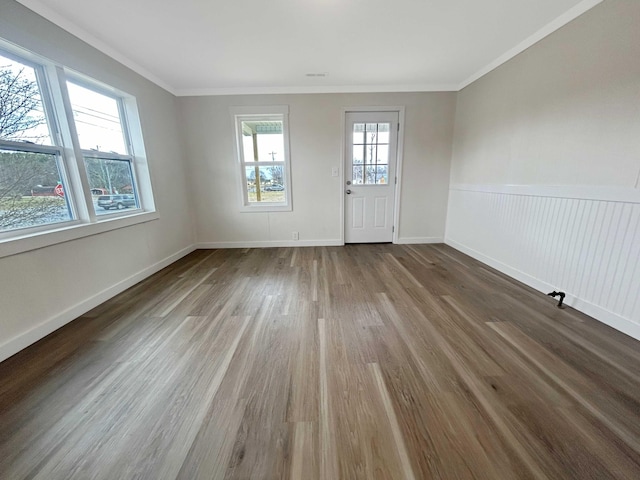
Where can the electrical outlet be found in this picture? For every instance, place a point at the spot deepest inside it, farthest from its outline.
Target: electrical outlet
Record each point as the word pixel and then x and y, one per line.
pixel 296 236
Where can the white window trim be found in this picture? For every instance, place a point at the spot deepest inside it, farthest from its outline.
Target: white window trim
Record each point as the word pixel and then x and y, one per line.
pixel 60 117
pixel 243 113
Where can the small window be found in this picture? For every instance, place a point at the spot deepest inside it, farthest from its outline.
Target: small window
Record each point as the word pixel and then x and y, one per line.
pixel 262 144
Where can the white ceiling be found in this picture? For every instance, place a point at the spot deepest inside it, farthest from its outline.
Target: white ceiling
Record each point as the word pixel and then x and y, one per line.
pixel 193 47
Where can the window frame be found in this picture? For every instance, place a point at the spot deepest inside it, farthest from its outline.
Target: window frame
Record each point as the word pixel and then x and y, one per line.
pixel 262 113
pixel 130 156
pixel 64 143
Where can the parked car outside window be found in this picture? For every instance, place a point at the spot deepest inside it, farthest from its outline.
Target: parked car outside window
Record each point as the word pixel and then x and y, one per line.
pixel 116 201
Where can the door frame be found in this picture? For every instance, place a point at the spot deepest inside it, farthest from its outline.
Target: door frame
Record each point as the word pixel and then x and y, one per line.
pixel 399 156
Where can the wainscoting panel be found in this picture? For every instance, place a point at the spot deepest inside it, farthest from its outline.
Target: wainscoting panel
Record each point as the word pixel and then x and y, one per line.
pixel 583 241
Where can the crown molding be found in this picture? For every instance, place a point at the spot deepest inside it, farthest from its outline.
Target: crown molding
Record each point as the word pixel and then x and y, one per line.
pixel 198 92
pixel 42 9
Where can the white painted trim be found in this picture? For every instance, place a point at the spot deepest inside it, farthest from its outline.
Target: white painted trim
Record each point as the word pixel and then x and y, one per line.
pixel 343 162
pixel 578 192
pixel 399 156
pixel 612 319
pixel 419 240
pixel 42 9
pixel 399 164
pixel 40 331
pixel 202 92
pixel 34 241
pixel 271 244
pixel 545 31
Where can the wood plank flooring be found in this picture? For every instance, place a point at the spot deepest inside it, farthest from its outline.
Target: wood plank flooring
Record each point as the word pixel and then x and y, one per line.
pixel 355 362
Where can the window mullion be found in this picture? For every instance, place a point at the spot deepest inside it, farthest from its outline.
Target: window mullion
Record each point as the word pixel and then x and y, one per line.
pixel 77 172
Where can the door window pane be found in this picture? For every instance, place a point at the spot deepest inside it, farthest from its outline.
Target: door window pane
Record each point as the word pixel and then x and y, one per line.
pixel 358 133
pixel 370 175
pixel 357 176
pixel 111 183
pixel 358 154
pixel 31 190
pixel 97 120
pixel 382 155
pixel 383 132
pixel 371 152
pixel 382 175
pixel 22 115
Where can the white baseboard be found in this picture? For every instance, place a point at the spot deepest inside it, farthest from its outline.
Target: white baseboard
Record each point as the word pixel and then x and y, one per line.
pixel 271 244
pixel 305 243
pixel 31 336
pixel 614 320
pixel 416 240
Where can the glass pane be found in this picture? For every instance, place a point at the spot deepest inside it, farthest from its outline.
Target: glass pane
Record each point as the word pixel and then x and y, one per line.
pixel 382 175
pixel 266 184
pixel 111 183
pixel 372 133
pixel 358 133
pixel 31 190
pixel 247 149
pixel 370 154
pixel 382 155
pixel 358 154
pixel 22 116
pixel 268 139
pixel 370 175
pixel 383 132
pixel 97 120
pixel 357 176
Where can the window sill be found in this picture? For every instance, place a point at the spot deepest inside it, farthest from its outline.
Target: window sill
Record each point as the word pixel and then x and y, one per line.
pixel 265 208
pixel 34 241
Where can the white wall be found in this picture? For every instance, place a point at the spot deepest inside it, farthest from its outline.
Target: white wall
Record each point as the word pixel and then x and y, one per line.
pixel 42 289
pixel 561 122
pixel 316 141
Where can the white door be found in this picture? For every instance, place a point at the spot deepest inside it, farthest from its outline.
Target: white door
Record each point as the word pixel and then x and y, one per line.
pixel 370 176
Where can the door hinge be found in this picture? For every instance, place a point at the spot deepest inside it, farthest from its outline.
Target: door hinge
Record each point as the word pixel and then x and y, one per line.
pixel 393 229
pixel 395 180
pixel 398 127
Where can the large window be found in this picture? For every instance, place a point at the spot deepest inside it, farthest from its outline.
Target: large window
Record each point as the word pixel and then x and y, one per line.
pixel 105 148
pixel 32 179
pixel 67 155
pixel 262 145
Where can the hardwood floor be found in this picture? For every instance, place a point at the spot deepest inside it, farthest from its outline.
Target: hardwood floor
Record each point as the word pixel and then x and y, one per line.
pixel 364 361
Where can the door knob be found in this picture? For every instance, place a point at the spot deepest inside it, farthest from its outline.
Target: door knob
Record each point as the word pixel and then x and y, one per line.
pixel 348 182
pixel 348 192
